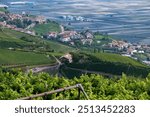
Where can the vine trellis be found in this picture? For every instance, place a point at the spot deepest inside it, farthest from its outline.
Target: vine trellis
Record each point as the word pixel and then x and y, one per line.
pixel 77 86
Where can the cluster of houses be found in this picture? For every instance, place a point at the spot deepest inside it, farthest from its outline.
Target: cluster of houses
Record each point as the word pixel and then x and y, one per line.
pixel 71 36
pixel 119 44
pixel 131 49
pixel 64 36
pixel 23 16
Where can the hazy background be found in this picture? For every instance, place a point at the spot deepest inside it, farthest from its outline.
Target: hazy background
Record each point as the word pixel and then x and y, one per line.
pixel 127 19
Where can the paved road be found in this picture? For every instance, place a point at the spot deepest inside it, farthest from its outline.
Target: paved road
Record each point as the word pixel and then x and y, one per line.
pixel 62 28
pixel 40 69
pixel 58 61
pixel 50 68
pixel 30 26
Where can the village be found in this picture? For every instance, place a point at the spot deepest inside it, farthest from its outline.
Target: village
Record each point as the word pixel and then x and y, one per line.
pixel 21 23
pixel 137 51
pixel 24 23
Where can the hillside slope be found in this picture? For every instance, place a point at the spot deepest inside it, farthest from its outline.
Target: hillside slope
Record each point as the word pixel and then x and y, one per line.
pixel 105 63
pixel 18 58
pixel 10 38
pixel 42 29
pixel 18 48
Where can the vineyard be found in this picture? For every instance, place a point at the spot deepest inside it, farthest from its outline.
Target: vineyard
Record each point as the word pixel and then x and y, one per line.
pixel 26 58
pixel 15 85
pixel 45 28
pixel 18 40
pixel 108 63
pixel 20 49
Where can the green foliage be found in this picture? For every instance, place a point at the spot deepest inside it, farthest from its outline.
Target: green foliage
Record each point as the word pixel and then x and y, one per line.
pixel 47 27
pixel 102 37
pixel 22 43
pixel 10 57
pixel 19 23
pixel 3 10
pixel 14 85
pixel 14 39
pixel 108 63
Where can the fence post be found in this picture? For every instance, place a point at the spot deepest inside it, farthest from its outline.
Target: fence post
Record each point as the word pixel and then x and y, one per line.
pixel 82 89
pixel 45 94
pixel 79 92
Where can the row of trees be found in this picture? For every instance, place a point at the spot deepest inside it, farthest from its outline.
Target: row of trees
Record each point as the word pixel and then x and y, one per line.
pixel 20 23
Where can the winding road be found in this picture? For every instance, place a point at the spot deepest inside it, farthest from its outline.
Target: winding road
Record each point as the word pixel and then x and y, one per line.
pixel 49 68
pixel 57 66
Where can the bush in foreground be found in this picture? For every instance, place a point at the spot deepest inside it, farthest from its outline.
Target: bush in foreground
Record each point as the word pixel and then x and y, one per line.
pixel 14 85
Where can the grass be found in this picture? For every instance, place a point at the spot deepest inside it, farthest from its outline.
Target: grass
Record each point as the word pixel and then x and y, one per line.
pixel 109 63
pixel 3 10
pixel 45 28
pixel 100 40
pixel 11 38
pixel 115 58
pixel 8 57
pixel 59 48
pixel 9 35
pixel 58 55
pixel 100 37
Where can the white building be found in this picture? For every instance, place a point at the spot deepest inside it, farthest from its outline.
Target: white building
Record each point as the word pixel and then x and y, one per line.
pixel 52 34
pixel 141 52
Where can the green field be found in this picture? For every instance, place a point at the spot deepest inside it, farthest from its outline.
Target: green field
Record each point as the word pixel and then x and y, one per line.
pixel 25 48
pixel 45 28
pixel 9 57
pixel 10 35
pixel 115 58
pixel 106 57
pixel 3 10
pixel 99 37
pixel 10 38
